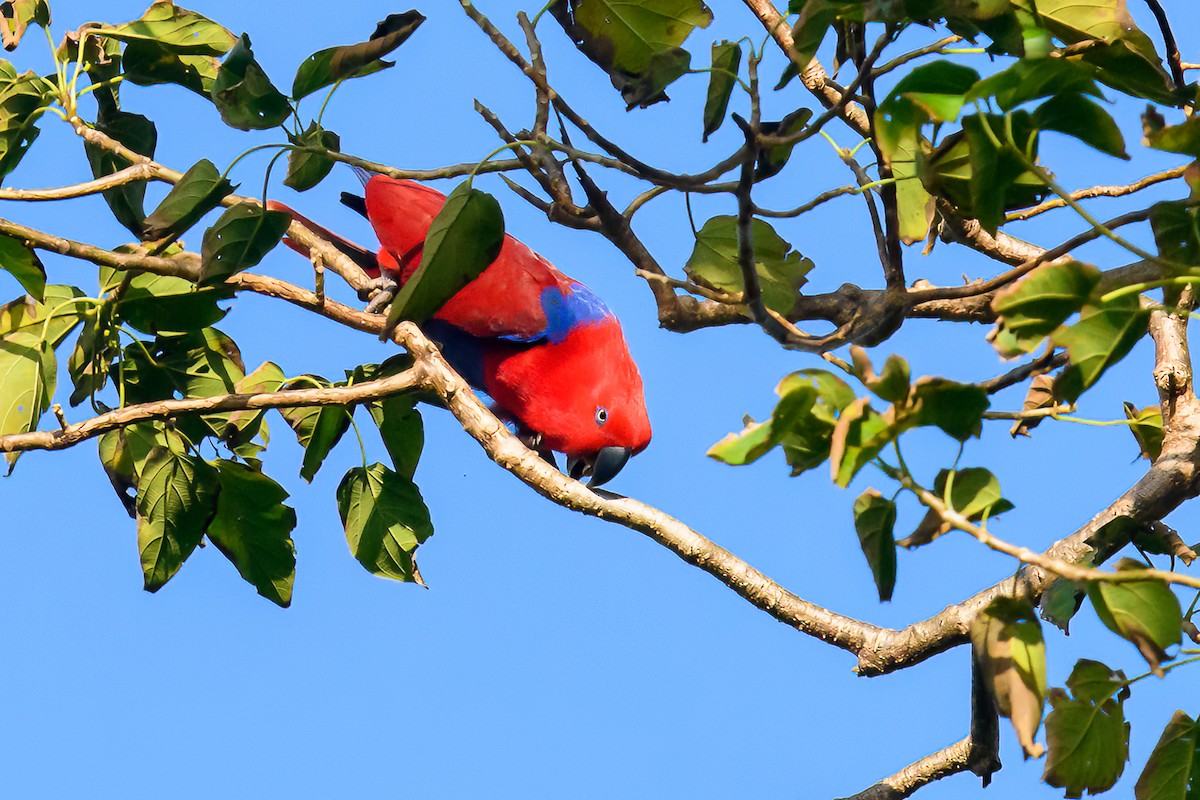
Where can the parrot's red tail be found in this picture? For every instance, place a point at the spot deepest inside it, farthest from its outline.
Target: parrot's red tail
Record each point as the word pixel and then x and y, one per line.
pixel 360 255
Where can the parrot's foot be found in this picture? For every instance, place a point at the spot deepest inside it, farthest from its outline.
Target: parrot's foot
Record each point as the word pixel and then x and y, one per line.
pixel 382 292
pixel 534 442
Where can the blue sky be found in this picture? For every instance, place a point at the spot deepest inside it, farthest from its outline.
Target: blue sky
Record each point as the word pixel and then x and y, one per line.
pixel 553 655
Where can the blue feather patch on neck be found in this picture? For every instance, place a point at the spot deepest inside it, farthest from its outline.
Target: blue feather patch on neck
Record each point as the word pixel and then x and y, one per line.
pixel 567 311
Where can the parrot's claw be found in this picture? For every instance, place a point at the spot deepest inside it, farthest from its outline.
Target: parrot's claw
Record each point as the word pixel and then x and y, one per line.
pixel 382 292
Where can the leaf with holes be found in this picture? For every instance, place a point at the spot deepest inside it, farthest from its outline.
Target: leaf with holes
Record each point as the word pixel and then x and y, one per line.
pixel 239 239
pixel 244 95
pixel 177 28
pixel 334 64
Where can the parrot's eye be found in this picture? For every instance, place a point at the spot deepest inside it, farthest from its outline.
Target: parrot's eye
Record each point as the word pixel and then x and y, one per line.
pixel 601 415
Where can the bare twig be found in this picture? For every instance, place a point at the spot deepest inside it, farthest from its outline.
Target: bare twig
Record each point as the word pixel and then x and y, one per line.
pixel 132 173
pixel 1097 191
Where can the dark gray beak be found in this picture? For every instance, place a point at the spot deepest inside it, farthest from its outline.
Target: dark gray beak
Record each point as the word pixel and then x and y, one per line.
pixel 603 468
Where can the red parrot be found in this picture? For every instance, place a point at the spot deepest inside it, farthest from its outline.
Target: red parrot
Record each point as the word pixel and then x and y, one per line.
pixel 545 349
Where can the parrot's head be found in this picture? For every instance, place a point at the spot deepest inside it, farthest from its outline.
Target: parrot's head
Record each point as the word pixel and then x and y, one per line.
pixel 584 395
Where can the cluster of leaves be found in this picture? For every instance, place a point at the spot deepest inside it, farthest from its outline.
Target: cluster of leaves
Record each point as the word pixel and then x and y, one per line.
pixel 146 338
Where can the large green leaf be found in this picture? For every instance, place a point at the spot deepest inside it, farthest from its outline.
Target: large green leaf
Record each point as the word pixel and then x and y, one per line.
pixel 253 527
pixel 307 168
pixel 244 95
pixel 27 378
pixel 402 430
pixel 201 364
pixel 125 451
pixel 1146 613
pixel 462 241
pixel 859 436
pixel 1176 229
pixel 22 99
pixel 875 522
pixel 148 63
pixel 199 191
pixel 637 42
pixel 999 179
pixel 1006 642
pixel 714 262
pixel 1104 334
pixel 1075 115
pixel 318 428
pixel 385 520
pixel 23 264
pixel 932 89
pixel 1173 771
pixel 139 135
pixel 162 304
pixel 177 28
pixel 1032 79
pixel 176 499
pixel 955 408
pixel 726 60
pixel 334 64
pixel 239 239
pixel 1087 737
pixel 1032 308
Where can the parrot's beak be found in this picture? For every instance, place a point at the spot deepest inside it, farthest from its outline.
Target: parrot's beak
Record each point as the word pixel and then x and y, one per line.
pixel 602 468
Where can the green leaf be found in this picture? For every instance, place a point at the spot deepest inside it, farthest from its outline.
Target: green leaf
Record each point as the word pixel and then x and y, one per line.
pixel 974 493
pixel 1173 771
pixel 875 522
pixel 726 62
pixel 714 262
pixel 1006 642
pixel 244 95
pixel 462 241
pixel 199 191
pixel 1146 426
pixel 177 28
pixel 23 264
pixel 253 527
pixel 318 429
pixel 162 304
pixel 1146 613
pixel 1183 138
pixel 27 378
pixel 139 135
pixel 1032 308
pixel 1087 737
pixel 385 520
pixel 1177 232
pixel 148 63
pixel 1075 115
pixel 816 16
pixel 329 66
pixel 739 449
pixel 955 408
pixel 98 347
pixel 18 16
pixel 859 436
pixel 636 42
pixel 999 180
pixel 26 315
pixel 22 99
pixel 892 385
pixel 202 364
pixel 932 88
pixel 242 426
pixel 402 430
pixel 307 168
pixel 125 451
pixel 1032 79
pixel 1061 602
pixel 239 239
pixel 1105 334
pixel 176 498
